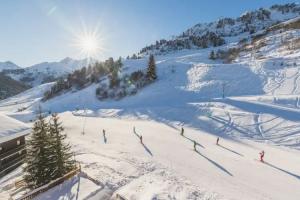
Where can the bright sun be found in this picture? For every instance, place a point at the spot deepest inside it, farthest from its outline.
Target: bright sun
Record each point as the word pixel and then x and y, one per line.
pixel 89 43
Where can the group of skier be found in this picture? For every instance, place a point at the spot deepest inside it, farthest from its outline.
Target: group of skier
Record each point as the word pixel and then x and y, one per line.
pixel 261 154
pixel 105 139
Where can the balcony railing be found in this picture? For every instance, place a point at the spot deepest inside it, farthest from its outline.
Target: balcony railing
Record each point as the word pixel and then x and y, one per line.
pixel 11 165
pixel 12 151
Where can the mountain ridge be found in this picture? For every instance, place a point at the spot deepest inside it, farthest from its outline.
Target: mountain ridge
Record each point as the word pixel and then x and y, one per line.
pixel 218 32
pixel 45 71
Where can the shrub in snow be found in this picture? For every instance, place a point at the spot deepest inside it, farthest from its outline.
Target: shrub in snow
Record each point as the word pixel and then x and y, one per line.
pixel 228 56
pixel 212 55
pixel 136 76
pixel 129 85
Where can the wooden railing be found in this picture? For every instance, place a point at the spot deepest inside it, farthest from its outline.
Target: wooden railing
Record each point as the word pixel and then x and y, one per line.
pixel 12 162
pixel 12 151
pixel 12 165
pixel 44 188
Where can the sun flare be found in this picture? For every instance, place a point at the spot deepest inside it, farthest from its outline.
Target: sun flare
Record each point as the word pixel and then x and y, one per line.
pixel 89 43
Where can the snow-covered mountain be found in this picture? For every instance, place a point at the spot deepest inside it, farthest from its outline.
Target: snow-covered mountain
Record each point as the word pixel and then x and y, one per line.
pixel 8 66
pixel 204 35
pixel 61 67
pixel 46 71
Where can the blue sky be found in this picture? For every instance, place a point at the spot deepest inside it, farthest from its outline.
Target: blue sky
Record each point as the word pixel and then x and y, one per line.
pixel 33 31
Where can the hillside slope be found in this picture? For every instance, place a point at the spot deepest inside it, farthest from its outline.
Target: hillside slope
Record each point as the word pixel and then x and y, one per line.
pixel 10 87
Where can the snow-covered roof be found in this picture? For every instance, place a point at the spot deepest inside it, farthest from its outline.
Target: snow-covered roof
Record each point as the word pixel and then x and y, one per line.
pixel 11 128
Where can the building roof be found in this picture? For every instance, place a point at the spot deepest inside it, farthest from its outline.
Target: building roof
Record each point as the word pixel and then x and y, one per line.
pixel 11 128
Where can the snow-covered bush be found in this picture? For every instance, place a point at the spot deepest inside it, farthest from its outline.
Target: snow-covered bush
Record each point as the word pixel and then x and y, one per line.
pixel 84 77
pixel 227 55
pixel 128 85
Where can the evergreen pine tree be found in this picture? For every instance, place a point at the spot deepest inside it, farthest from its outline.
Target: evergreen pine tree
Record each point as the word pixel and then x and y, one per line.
pixel 62 160
pixel 115 69
pixel 212 55
pixel 118 63
pixel 151 71
pixel 134 56
pixel 38 155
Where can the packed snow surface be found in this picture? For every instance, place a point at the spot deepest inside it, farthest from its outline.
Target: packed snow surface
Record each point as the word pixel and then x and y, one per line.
pixel 165 165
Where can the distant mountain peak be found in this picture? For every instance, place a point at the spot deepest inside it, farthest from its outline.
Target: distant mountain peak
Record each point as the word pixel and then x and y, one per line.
pixel 67 60
pixel 8 65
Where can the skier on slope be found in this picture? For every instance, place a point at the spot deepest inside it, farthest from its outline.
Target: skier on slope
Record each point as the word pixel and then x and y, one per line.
pixel 182 131
pixel 141 139
pixel 262 154
pixel 104 135
pixel 195 145
pixel 218 141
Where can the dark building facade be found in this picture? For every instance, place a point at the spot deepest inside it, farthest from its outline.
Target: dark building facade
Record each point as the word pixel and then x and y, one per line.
pixel 12 147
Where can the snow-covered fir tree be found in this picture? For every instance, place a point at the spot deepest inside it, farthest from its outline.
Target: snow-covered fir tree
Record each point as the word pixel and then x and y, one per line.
pixel 62 159
pixel 37 169
pixel 151 70
pixel 48 155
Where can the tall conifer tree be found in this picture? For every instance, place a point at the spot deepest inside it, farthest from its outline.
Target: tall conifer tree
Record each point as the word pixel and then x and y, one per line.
pixel 151 71
pixel 38 155
pixel 62 160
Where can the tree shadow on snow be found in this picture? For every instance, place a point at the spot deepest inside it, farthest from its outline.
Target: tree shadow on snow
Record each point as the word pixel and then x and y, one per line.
pixel 231 150
pixel 254 107
pixel 78 187
pixel 287 172
pixel 147 149
pixel 226 124
pixel 214 163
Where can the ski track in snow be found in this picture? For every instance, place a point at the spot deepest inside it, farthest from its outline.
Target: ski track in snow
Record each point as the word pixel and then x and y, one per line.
pixel 258 124
pixel 296 79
